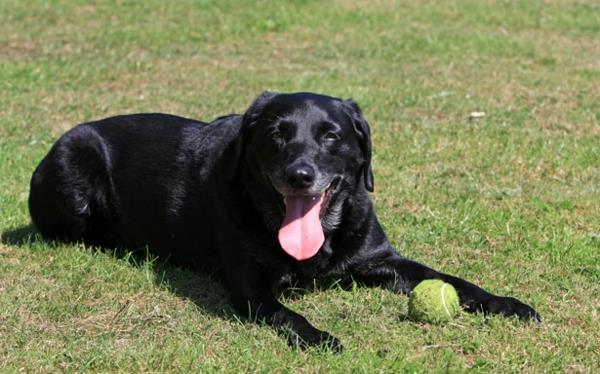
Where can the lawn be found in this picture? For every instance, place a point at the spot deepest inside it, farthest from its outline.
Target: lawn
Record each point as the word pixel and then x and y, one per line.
pixel 510 201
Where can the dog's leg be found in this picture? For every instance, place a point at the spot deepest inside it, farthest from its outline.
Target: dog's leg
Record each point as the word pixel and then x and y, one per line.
pixel 251 296
pixel 385 268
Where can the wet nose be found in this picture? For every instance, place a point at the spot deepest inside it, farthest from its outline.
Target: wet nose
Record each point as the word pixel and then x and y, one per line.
pixel 301 176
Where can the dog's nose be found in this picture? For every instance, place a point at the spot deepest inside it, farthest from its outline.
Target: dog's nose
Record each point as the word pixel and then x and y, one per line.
pixel 301 176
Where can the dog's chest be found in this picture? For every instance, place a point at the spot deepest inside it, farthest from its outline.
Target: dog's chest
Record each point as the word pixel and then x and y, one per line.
pixel 301 273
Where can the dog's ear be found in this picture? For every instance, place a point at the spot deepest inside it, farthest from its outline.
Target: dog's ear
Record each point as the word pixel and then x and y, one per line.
pixel 256 108
pixel 363 132
pixel 248 119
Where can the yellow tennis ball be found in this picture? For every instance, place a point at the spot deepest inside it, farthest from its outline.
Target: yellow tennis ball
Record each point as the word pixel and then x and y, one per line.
pixel 433 301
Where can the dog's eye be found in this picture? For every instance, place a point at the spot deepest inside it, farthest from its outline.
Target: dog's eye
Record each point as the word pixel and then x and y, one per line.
pixel 331 136
pixel 275 135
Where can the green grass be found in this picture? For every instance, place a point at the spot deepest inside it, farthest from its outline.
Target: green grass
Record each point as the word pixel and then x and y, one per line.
pixel 511 202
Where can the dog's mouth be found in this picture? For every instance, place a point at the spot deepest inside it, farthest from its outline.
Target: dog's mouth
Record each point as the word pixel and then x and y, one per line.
pixel 301 233
pixel 333 186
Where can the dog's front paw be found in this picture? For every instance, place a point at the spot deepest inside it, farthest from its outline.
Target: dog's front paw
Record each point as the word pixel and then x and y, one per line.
pixel 506 306
pixel 316 339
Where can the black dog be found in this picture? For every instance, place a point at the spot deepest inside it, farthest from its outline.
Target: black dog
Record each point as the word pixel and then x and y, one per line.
pixel 274 197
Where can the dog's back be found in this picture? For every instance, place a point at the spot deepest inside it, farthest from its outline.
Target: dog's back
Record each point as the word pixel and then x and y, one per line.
pixel 129 180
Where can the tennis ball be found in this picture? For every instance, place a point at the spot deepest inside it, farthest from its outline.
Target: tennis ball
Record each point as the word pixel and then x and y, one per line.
pixel 433 301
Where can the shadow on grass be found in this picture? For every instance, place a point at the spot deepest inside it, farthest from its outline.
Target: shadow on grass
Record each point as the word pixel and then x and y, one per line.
pixel 202 287
pixel 19 236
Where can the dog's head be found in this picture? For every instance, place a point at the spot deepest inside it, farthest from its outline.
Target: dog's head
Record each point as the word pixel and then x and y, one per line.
pixel 305 153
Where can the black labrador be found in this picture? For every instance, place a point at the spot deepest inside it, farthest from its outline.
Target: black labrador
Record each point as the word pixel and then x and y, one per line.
pixel 275 197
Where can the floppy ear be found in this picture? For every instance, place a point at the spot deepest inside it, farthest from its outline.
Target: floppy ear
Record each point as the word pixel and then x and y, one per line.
pixel 363 132
pixel 248 119
pixel 256 108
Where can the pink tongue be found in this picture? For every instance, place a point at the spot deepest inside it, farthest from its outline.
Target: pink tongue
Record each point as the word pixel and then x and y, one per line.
pixel 301 234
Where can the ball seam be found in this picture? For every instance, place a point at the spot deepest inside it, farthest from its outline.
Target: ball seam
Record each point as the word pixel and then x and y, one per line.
pixel 444 299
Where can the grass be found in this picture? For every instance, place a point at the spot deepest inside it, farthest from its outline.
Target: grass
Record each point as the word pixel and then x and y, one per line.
pixel 510 201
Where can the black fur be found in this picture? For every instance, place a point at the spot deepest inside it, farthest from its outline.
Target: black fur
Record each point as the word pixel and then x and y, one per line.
pixel 211 195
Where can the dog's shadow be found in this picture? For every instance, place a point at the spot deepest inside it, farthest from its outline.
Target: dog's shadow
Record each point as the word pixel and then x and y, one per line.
pixel 202 287
pixel 20 236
